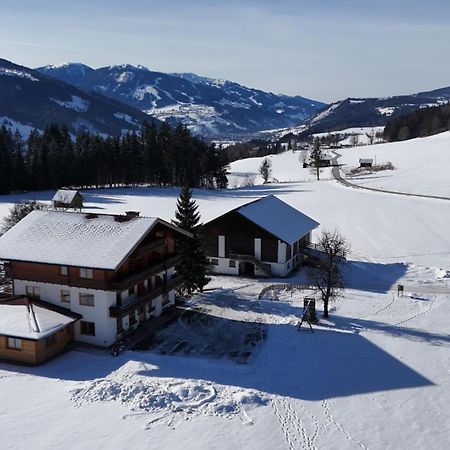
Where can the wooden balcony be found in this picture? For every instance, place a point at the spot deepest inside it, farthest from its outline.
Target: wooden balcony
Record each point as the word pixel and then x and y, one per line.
pixel 119 311
pixel 174 283
pixel 138 277
pixel 149 247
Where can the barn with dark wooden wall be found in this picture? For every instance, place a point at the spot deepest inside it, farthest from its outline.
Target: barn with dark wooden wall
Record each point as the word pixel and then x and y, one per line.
pixel 264 238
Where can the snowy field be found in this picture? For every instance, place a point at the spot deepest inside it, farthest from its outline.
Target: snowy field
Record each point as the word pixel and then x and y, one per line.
pixel 421 165
pixel 375 376
pixel 286 167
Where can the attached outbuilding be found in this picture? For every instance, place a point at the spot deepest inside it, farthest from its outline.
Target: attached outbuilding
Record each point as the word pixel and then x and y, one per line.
pixel 365 162
pixel 66 198
pixel 265 237
pixel 33 331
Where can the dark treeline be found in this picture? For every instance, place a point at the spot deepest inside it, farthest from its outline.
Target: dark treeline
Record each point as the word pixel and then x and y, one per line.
pixel 251 149
pixel 420 123
pixel 157 155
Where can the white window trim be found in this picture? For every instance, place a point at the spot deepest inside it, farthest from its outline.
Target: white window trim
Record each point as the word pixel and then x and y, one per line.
pixel 86 274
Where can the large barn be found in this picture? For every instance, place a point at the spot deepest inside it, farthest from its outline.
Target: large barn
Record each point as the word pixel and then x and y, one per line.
pixel 265 237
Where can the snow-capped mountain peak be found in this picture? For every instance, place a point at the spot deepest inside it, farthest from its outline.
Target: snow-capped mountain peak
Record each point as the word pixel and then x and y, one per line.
pixel 208 106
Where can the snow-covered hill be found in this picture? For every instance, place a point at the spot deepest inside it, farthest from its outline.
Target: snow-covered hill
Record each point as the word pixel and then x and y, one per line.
pixel 364 112
pixel 421 165
pixel 29 99
pixel 210 107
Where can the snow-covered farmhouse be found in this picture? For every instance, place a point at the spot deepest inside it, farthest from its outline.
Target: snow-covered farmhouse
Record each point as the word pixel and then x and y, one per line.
pixel 265 237
pixel 114 270
pixel 32 331
pixel 65 198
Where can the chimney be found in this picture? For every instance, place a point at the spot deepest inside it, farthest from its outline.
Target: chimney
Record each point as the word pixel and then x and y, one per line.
pixel 132 214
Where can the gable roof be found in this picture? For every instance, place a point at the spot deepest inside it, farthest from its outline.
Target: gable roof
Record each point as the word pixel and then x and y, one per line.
pixel 96 241
pixel 30 319
pixel 65 195
pixel 277 217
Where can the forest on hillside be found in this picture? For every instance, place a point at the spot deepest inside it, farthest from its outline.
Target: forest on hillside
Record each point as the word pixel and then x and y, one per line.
pixel 420 123
pixel 156 155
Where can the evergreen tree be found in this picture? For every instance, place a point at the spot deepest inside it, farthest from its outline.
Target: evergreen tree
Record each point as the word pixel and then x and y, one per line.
pixel 266 169
pixel 316 156
pixel 194 263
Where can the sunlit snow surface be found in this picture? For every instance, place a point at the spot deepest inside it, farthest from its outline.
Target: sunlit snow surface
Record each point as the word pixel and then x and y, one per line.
pixel 375 375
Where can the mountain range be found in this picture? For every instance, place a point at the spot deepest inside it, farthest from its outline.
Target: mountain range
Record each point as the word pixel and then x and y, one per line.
pixel 364 112
pixel 208 107
pixel 30 99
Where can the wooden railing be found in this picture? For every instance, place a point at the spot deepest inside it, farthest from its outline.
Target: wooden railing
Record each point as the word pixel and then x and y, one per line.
pixel 285 287
pixel 136 278
pixel 119 311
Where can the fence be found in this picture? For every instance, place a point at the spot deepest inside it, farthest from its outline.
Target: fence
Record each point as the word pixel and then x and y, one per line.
pixel 285 287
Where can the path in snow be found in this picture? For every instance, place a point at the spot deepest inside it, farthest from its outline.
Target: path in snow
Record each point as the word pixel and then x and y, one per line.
pixel 337 175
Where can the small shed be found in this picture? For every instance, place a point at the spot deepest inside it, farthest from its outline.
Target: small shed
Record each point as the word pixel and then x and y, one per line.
pixel 66 198
pixel 365 162
pixel 33 331
pixel 325 161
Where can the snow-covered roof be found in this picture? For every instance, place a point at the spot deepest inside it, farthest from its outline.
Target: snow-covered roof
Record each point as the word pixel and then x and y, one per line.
pixel 75 239
pixel 64 195
pixel 278 218
pixel 31 321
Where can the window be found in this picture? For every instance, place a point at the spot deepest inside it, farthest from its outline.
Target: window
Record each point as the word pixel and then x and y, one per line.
pixel 131 291
pixel 65 296
pixel 50 340
pixel 63 270
pixel 86 273
pixel 214 261
pixel 232 263
pixel 33 291
pixel 87 328
pixel 14 343
pixel 87 300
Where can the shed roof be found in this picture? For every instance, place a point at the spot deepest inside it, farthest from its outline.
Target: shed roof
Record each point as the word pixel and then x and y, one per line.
pixel 65 195
pixel 26 319
pixel 96 241
pixel 366 160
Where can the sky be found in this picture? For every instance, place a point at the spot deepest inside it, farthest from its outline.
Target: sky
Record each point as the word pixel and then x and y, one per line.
pixel 322 49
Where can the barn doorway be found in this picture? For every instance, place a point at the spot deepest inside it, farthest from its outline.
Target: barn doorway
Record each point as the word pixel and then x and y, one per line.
pixel 247 268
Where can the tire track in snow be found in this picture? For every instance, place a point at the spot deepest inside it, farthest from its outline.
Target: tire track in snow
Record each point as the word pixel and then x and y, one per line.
pixel 384 308
pixel 430 307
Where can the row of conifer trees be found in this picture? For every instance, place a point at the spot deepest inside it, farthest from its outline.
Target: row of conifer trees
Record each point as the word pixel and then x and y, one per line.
pixel 157 155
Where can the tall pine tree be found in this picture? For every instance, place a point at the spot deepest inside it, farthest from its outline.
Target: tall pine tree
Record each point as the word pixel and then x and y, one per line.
pixel 194 263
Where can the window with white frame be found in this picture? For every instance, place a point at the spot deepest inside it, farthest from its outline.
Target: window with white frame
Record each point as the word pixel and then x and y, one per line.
pixel 87 300
pixel 15 343
pixel 63 270
pixel 86 273
pixel 232 263
pixel 65 296
pixel 33 291
pixel 214 261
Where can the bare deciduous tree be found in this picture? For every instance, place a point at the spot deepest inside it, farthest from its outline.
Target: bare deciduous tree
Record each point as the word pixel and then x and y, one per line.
pixel 328 276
